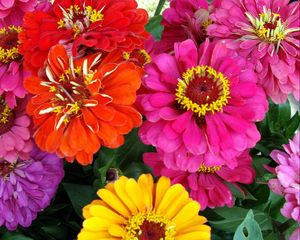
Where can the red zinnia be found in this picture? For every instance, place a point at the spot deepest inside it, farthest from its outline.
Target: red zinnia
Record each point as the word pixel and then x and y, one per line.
pixel 82 24
pixel 82 104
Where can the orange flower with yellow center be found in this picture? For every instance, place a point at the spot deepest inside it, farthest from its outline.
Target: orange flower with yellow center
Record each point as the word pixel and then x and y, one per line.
pixel 82 104
pixel 142 210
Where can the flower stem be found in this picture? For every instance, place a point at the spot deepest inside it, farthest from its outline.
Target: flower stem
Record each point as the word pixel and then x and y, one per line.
pixel 159 7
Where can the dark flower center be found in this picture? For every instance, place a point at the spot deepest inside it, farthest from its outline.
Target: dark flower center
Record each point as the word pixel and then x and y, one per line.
pixel 138 56
pixel 6 168
pixel 152 231
pixel 202 89
pixel 79 19
pixel 7 117
pixel 9 44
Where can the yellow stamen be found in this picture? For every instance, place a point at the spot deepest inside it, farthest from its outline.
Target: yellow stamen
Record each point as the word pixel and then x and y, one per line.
pixel 205 169
pixel 202 109
pixel 134 223
pixel 8 55
pixel 93 14
pixel 269 27
pixel 7 112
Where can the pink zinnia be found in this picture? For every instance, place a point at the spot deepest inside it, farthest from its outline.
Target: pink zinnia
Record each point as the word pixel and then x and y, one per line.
pixel 267 33
pixel 185 19
pixel 16 7
pixel 15 138
pixel 207 184
pixel 295 235
pixel 12 73
pixel 201 103
pixel 288 177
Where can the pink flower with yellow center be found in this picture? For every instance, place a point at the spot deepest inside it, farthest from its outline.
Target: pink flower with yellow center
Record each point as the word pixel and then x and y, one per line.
pixel 200 104
pixel 12 73
pixel 15 137
pixel 287 182
pixel 267 33
pixel 207 184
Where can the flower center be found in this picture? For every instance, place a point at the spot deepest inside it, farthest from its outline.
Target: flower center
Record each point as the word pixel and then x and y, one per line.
pixel 7 117
pixel 9 44
pixel 6 168
pixel 205 169
pixel 268 26
pixel 79 19
pixel 202 89
pixel 69 92
pixel 138 56
pixel 149 226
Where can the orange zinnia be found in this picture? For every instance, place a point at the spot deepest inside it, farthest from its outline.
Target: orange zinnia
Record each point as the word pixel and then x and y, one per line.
pixel 82 104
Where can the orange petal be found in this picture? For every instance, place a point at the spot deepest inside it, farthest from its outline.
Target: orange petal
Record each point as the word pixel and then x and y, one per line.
pixel 32 85
pixel 90 119
pixel 84 158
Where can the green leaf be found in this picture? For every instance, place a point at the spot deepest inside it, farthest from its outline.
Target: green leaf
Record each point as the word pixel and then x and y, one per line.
pixel 233 217
pixel 80 195
pixel 135 169
pixel 248 229
pixel 154 27
pixel 14 236
pixel 284 114
pixel 292 125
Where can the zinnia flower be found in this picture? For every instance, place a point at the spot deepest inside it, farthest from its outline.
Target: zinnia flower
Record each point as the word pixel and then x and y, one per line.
pixel 185 19
pixel 295 235
pixel 15 137
pixel 11 69
pixel 80 105
pixel 267 33
pixel 207 185
pixel 287 182
pixel 201 102
pixel 27 187
pixel 131 209
pixel 103 25
pixel 16 7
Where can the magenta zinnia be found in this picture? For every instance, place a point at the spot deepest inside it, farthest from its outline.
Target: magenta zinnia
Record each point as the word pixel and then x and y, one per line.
pixel 11 69
pixel 27 187
pixel 184 19
pixel 267 33
pixel 204 102
pixel 15 137
pixel 207 184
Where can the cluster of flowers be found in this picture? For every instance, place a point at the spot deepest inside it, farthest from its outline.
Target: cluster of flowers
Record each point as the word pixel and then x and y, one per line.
pixel 76 67
pixel 287 182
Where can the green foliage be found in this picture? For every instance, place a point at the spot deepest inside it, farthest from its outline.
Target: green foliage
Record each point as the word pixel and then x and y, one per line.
pixel 154 26
pixel 248 229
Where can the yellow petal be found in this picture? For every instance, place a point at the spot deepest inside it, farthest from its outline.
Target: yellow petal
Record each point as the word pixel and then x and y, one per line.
pixel 96 224
pixel 194 236
pixel 170 196
pixel 114 202
pixel 120 191
pixel 162 186
pixel 145 182
pixel 186 213
pixel 87 235
pixel 195 228
pixel 103 212
pixel 136 194
pixel 196 220
pixel 177 205
pixel 117 231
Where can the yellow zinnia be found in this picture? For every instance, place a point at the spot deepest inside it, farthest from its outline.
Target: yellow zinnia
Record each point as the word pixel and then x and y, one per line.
pixel 143 210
